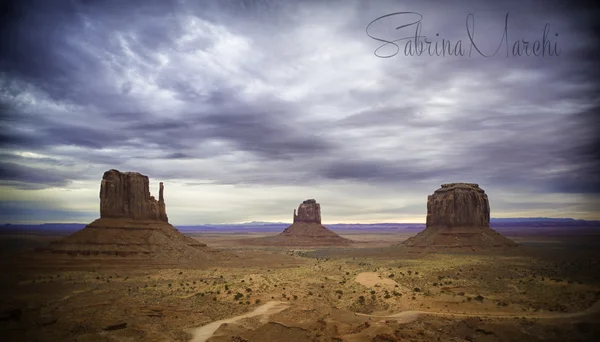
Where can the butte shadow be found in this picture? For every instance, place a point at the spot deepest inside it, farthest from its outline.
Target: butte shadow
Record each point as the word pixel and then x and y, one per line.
pixel 458 217
pixel 306 230
pixel 132 223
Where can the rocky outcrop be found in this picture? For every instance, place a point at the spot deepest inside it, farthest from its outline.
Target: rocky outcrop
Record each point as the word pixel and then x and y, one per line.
pixel 127 195
pixel 162 208
pixel 458 205
pixel 306 230
pixel 458 216
pixel 132 223
pixel 308 212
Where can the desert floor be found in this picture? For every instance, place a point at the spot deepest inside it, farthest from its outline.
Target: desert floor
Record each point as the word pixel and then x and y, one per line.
pixel 547 289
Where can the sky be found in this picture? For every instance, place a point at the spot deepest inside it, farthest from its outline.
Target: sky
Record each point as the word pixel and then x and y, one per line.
pixel 246 108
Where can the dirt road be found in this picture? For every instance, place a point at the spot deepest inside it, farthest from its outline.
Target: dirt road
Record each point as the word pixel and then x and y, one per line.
pixel 409 316
pixel 205 332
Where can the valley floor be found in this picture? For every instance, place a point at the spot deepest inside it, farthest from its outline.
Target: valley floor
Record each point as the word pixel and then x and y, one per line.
pixel 374 291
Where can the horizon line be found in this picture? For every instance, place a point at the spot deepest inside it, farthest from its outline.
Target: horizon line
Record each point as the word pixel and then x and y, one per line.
pixel 336 223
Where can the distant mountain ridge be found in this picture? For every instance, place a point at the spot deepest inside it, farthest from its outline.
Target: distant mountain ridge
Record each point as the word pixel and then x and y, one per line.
pixel 263 226
pixel 530 219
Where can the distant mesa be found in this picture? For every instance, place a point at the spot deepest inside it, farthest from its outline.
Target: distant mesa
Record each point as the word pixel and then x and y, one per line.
pixel 306 230
pixel 131 223
pixel 458 216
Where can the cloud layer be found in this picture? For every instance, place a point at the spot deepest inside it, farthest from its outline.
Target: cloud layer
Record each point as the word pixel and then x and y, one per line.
pixel 246 108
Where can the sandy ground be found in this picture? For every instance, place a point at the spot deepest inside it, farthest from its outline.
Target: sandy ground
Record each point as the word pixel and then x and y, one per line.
pixel 365 292
pixel 369 279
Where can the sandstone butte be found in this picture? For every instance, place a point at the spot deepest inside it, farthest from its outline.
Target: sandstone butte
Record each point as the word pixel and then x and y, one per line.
pixel 458 216
pixel 306 230
pixel 132 223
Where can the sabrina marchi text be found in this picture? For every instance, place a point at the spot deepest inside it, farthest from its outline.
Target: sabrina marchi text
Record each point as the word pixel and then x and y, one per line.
pixel 417 45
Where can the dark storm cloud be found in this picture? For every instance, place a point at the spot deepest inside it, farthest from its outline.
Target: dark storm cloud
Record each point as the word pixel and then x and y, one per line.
pixel 372 170
pixel 264 135
pixel 25 177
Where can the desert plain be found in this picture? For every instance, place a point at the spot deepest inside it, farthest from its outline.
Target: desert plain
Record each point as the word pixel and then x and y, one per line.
pixel 376 289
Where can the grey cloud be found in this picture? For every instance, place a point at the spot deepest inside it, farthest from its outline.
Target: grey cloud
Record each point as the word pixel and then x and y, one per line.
pixel 111 122
pixel 28 176
pixel 365 170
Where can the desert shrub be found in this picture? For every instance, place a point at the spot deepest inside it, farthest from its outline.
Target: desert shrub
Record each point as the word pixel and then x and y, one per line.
pixel 310 293
pixel 391 275
pixel 361 299
pixel 340 292
pixel 238 296
pixel 435 284
pixel 248 290
pixel 372 292
pixel 387 296
pixel 417 289
pixel 226 287
pixel 347 273
pixel 479 298
pixel 214 299
pixel 257 301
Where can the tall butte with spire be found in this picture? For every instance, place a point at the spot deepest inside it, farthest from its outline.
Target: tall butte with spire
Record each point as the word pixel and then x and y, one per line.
pixel 131 223
pixel 458 216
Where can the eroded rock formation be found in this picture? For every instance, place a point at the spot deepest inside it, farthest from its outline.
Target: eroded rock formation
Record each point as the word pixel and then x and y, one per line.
pixel 132 223
pixel 458 215
pixel 308 212
pixel 458 205
pixel 127 195
pixel 306 230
